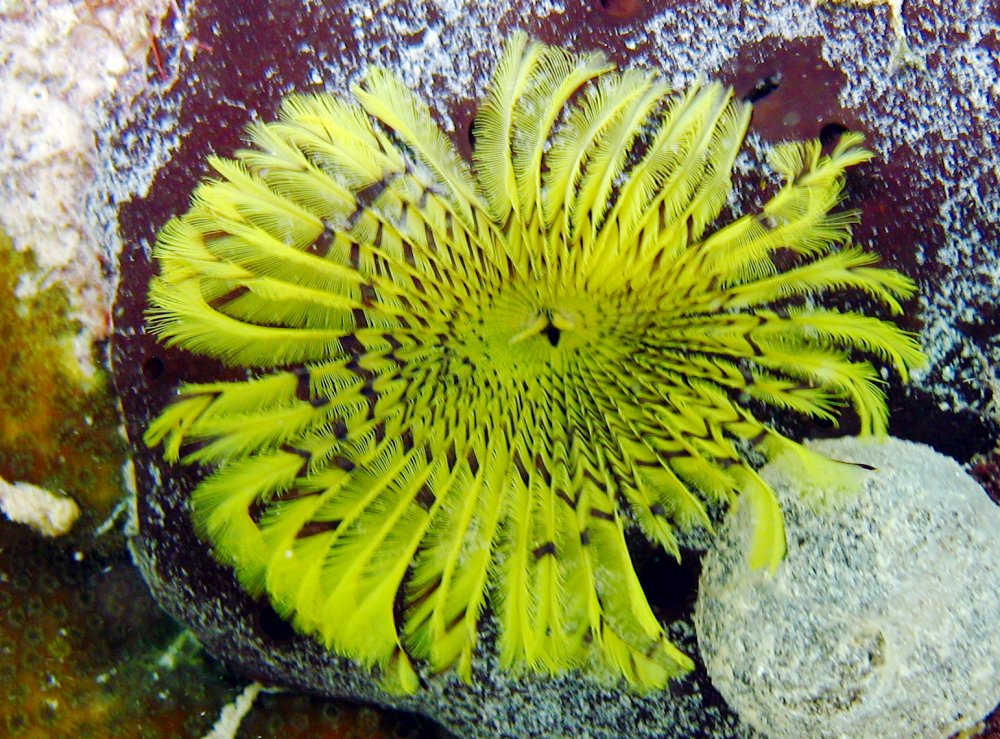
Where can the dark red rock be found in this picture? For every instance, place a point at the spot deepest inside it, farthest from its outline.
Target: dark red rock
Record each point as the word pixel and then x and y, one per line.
pixel 929 205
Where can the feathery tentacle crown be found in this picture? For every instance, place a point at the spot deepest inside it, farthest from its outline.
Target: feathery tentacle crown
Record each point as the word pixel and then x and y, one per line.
pixel 473 380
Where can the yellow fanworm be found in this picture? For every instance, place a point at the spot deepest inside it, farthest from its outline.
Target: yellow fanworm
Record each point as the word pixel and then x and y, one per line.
pixel 472 379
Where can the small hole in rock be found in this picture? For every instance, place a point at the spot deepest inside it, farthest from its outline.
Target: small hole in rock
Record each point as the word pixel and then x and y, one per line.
pixel 272 625
pixel 671 586
pixel 959 435
pixel 620 9
pixel 763 88
pixel 830 133
pixel 153 369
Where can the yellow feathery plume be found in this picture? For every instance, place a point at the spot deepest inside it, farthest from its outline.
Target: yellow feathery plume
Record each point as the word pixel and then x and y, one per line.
pixel 473 379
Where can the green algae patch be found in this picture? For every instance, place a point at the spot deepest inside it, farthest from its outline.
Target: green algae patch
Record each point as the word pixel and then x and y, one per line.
pixel 86 652
pixel 59 426
pixel 88 640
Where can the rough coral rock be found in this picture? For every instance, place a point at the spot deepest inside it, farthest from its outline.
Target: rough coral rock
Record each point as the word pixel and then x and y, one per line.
pixel 881 621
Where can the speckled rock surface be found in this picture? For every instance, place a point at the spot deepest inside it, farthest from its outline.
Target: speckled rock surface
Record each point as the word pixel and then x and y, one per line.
pixel 881 621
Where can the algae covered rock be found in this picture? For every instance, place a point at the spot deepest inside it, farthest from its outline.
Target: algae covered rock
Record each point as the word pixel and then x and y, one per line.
pixel 881 621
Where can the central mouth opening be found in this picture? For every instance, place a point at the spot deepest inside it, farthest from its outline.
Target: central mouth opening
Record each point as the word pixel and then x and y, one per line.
pixel 552 333
pixel 527 328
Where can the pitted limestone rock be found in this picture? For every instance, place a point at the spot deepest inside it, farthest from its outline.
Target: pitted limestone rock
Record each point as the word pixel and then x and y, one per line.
pixel 881 621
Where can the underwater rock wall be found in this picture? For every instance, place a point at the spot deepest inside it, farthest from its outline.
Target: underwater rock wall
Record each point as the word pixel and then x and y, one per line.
pixel 929 204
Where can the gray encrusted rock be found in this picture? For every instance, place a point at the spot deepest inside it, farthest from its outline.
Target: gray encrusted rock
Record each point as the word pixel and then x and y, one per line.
pixel 881 621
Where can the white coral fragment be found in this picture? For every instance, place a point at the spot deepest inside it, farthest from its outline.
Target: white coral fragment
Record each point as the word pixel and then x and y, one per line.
pixel 48 513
